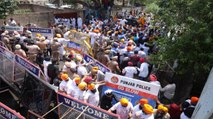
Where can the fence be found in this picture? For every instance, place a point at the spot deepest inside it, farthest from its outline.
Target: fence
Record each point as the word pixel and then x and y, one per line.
pixel 26 81
pixel 37 95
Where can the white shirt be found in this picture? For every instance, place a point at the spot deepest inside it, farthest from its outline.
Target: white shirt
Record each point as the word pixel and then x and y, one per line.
pixel 79 94
pixel 82 71
pixel 66 35
pixel 141 115
pixel 169 90
pixel 123 112
pixel 93 37
pixel 123 21
pixel 92 98
pixel 135 109
pixel 72 87
pixel 129 71
pixel 146 49
pixel 46 63
pixel 72 65
pixel 79 22
pixel 183 116
pixel 63 86
pixel 144 70
pixel 73 22
pixel 61 49
pixel 141 54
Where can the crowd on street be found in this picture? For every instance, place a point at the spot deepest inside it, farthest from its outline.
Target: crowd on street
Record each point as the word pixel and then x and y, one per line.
pixel 119 45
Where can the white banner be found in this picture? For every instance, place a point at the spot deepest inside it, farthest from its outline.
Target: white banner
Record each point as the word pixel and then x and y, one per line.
pixel 132 85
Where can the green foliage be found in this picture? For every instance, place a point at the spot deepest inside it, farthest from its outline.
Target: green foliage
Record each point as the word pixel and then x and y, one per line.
pixel 191 24
pixel 7 7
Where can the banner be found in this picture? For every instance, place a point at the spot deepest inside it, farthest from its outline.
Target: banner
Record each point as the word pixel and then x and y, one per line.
pixel 130 88
pixel 74 46
pixel 27 65
pixel 43 31
pixel 101 67
pixel 12 28
pixel 7 113
pixel 82 39
pixel 92 111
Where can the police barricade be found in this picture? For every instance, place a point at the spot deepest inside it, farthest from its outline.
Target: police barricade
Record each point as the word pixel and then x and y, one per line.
pixel 101 67
pixel 47 32
pixel 7 113
pixel 36 94
pixel 6 64
pixel 3 45
pixel 130 88
pixel 34 70
pixel 11 29
pixel 79 108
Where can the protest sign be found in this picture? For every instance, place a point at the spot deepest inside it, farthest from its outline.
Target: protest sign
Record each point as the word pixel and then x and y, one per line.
pixel 130 88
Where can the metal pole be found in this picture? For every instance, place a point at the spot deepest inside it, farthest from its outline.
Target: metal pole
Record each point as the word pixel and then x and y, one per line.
pixel 82 112
pixel 67 112
pixel 39 117
pixel 51 110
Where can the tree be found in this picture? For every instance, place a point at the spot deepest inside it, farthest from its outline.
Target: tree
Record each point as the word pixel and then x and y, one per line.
pixel 190 24
pixel 100 7
pixel 91 4
pixel 6 7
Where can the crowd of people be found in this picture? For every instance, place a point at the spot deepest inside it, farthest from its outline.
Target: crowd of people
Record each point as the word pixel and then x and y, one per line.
pixel 121 46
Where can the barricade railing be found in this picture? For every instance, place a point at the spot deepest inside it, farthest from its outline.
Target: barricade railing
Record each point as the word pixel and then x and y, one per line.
pixel 33 115
pixel 7 113
pixel 13 66
pixel 80 109
pixel 25 79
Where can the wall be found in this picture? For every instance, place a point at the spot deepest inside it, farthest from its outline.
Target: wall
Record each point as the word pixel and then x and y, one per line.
pixel 36 14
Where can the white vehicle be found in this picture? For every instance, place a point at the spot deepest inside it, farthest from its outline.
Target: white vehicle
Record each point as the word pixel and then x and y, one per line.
pixel 65 6
pixel 51 5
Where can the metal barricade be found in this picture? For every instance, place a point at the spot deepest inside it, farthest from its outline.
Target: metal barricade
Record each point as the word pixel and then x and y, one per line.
pixel 6 64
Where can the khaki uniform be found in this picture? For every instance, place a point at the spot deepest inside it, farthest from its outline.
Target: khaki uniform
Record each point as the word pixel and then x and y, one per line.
pixel 43 46
pixel 32 52
pixel 21 53
pixel 112 66
pixel 55 50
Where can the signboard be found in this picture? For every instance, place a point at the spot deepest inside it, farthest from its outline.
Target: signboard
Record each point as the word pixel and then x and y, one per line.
pixel 12 28
pixel 7 113
pixel 101 67
pixel 131 89
pixel 43 31
pixel 74 46
pixel 27 65
pixel 92 111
